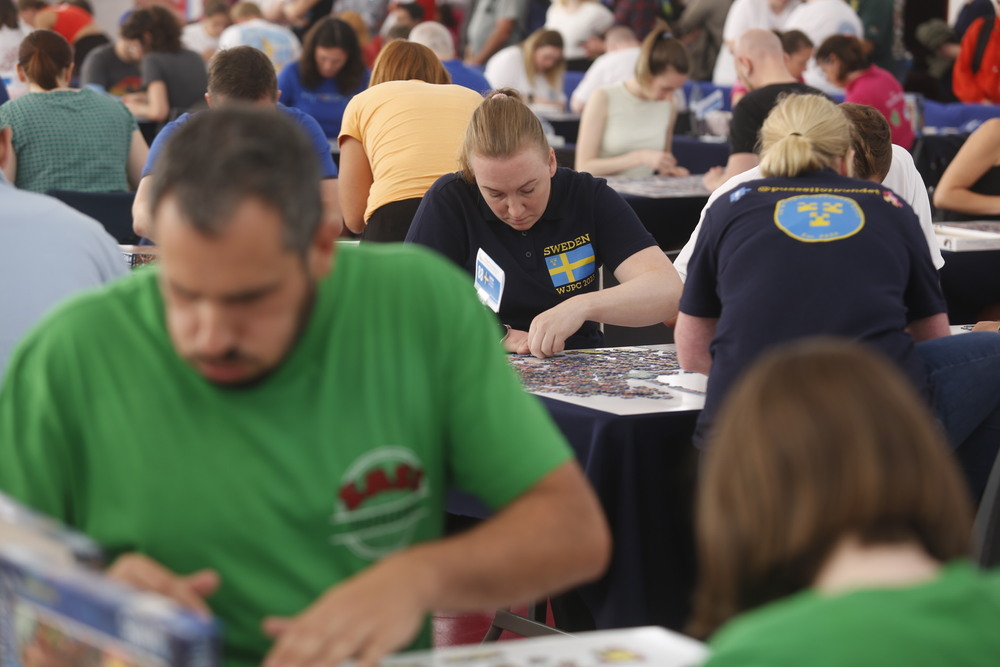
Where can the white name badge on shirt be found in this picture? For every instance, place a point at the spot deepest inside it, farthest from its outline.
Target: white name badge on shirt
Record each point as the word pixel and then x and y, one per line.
pixel 489 281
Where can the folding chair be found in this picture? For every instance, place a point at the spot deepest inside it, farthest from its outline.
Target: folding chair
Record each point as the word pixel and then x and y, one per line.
pixel 111 209
pixel 986 531
pixel 532 625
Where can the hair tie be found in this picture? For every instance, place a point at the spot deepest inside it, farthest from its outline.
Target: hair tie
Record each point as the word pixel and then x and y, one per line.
pixel 666 34
pixel 496 95
pixel 796 134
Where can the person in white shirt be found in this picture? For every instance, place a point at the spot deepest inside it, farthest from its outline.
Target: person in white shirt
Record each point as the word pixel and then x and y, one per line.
pixel 11 34
pixel 250 29
pixel 534 68
pixel 627 128
pixel 745 15
pixel 876 159
pixel 820 19
pixel 203 36
pixel 581 23
pixel 617 64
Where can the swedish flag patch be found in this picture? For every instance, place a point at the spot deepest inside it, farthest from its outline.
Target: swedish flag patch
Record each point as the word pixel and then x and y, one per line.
pixel 569 267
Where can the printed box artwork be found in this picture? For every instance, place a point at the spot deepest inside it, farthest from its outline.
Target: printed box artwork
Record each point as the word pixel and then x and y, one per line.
pixel 621 380
pixel 623 648
pixel 975 235
pixel 60 616
pixel 22 525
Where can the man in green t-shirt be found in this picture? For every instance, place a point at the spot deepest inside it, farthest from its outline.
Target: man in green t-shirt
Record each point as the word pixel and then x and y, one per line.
pixel 264 428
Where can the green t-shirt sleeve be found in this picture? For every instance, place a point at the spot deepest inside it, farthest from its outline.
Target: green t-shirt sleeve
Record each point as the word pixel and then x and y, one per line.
pixel 35 437
pixel 501 440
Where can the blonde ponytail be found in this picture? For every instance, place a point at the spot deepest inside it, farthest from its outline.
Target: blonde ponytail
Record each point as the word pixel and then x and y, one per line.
pixel 802 133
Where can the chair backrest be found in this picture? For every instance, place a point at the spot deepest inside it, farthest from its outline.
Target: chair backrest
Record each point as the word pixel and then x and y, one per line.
pixel 111 209
pixel 986 531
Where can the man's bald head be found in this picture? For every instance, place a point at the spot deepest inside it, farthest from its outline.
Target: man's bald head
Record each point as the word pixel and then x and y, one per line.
pixel 756 44
pixel 760 59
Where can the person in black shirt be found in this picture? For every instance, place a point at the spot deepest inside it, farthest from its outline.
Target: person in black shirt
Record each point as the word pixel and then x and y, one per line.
pixel 760 64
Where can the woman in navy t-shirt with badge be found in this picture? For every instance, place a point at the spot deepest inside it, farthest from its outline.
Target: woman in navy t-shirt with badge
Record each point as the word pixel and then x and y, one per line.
pixel 809 251
pixel 534 235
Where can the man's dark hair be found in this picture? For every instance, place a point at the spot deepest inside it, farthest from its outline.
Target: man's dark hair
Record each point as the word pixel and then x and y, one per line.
pixel 414 9
pixel 871 139
pixel 25 5
pixel 222 158
pixel 213 7
pixel 242 73
pixel 82 4
pixel 156 27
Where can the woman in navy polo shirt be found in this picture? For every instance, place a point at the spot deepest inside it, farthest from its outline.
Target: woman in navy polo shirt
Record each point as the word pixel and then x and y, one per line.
pixel 807 250
pixel 534 236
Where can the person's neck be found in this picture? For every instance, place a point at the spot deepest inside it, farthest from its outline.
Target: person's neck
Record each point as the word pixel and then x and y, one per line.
pixel 770 74
pixel 852 76
pixel 632 86
pixel 853 565
pixel 35 88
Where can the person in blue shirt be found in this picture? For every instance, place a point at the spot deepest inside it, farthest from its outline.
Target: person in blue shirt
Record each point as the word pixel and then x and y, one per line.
pixel 436 37
pixel 49 250
pixel 327 75
pixel 243 75
pixel 534 237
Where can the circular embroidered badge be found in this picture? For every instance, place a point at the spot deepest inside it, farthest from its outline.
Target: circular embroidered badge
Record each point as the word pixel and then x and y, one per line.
pixel 819 218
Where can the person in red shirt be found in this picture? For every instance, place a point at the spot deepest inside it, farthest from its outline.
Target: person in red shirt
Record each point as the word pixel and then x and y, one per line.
pixel 842 58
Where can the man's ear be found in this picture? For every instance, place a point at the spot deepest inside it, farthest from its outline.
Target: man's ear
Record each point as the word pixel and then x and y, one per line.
pixel 322 249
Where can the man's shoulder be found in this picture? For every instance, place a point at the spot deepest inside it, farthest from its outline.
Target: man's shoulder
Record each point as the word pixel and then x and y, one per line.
pixel 771 92
pixel 175 125
pixel 47 216
pixel 401 268
pixel 96 318
pixel 300 117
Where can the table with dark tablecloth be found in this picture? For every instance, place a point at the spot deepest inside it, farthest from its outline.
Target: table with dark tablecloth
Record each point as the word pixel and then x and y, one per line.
pixel 668 207
pixel 698 155
pixel 642 467
pixel 970 281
